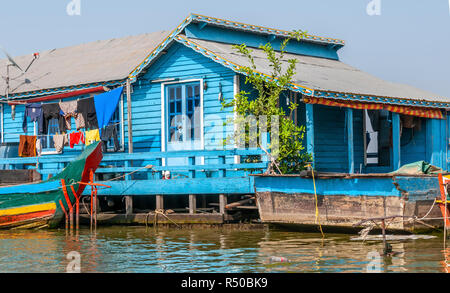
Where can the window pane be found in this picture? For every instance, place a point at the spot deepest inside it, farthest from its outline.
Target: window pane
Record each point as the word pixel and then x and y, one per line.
pixel 197 91
pixel 171 93
pixel 53 128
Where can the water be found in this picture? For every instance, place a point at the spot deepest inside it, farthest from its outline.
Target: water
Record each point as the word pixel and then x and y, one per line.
pixel 141 250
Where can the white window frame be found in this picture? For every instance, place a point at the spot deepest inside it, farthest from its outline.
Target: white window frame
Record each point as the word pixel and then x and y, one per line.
pixel 164 115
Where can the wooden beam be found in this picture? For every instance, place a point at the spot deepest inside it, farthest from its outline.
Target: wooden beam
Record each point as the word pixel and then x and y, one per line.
pixel 350 143
pixel 396 161
pixel 192 204
pixel 310 130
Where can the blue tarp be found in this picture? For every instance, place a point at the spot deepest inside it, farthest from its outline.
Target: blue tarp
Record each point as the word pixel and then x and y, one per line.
pixel 105 106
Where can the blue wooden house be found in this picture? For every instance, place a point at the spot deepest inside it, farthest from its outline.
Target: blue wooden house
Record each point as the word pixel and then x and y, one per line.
pixel 170 115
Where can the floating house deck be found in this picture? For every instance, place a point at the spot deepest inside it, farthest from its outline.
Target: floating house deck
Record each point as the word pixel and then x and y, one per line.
pixel 355 123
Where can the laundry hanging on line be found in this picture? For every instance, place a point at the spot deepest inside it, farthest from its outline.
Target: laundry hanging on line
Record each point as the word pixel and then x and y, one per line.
pixel 92 136
pixel 69 110
pixel 105 106
pixel 86 108
pixel 108 133
pixel 27 146
pixel 76 138
pixel 35 113
pixel 52 111
pixel 60 140
pixel 89 113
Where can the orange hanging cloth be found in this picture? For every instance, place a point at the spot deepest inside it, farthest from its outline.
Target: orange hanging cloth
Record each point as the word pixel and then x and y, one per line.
pixel 412 111
pixel 27 146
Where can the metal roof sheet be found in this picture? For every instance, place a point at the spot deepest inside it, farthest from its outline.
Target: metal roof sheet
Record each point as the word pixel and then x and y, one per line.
pixel 93 62
pixel 322 74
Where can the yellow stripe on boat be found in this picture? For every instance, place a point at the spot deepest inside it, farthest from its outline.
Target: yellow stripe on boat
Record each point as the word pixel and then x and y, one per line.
pixel 28 209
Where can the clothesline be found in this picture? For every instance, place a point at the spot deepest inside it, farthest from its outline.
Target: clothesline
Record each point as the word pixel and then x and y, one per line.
pixel 45 135
pixel 27 103
pixel 21 102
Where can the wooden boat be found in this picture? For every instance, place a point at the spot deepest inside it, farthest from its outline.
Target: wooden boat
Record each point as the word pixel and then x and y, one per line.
pixel 340 201
pixel 41 204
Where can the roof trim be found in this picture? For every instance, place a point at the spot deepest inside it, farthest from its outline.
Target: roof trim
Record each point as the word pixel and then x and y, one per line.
pixel 262 29
pixel 379 99
pixel 133 75
pixel 221 22
pixel 63 89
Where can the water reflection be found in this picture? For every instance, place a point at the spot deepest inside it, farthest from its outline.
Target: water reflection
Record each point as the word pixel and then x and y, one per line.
pixel 134 249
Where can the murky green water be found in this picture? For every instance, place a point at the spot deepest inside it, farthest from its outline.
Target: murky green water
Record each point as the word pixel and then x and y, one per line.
pixel 140 250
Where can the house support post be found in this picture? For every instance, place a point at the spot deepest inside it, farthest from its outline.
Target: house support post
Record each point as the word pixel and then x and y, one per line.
pixel 129 199
pixel 310 131
pixel 128 205
pixel 350 149
pixel 222 203
pixel 192 204
pixel 159 202
pixel 396 162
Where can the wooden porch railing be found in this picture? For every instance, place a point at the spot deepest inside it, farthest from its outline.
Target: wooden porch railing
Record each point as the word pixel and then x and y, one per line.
pixel 219 177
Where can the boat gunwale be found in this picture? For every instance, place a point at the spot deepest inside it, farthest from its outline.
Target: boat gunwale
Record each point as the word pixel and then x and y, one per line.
pixel 324 175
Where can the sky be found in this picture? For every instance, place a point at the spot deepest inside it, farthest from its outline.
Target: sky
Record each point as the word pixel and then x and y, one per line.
pixel 406 41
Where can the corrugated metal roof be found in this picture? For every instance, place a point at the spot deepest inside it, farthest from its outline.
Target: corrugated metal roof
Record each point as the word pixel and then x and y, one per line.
pixel 325 75
pixel 93 62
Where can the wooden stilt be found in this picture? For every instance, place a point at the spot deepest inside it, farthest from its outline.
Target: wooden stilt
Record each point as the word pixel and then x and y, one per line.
pixel 222 203
pixel 92 210
pixel 160 202
pixel 77 215
pixel 77 208
pixel 95 208
pixel 128 205
pixel 69 205
pixel 91 180
pixel 65 214
pixel 192 204
pixel 383 231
